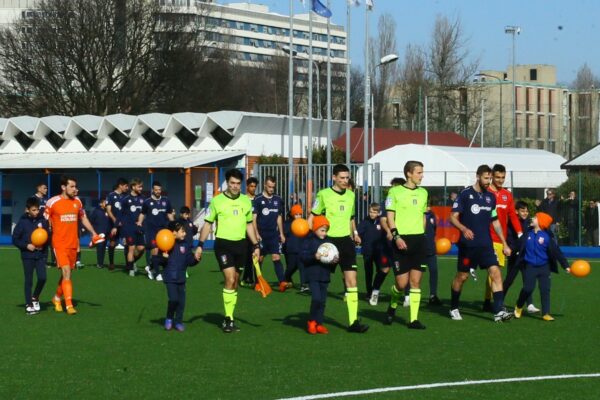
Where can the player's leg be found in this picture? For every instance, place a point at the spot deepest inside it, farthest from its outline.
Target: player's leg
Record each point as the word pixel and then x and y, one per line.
pixel 173 297
pixel 40 269
pixel 28 267
pixel 487 302
pixel 279 272
pixel 180 307
pixel 432 267
pixel 415 275
pixel 349 267
pixel 368 267
pixel 100 252
pixel 231 255
pixel 66 283
pixel 544 283
pixel 529 277
pixel 315 306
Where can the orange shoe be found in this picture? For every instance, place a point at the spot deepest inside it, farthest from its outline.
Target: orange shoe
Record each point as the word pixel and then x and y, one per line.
pixel 257 287
pixel 312 327
pixel 283 286
pixel 57 305
pixel 322 329
pixel 71 310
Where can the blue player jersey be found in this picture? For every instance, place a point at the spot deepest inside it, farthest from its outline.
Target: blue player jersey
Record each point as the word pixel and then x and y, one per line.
pixel 42 201
pixel 155 212
pixel 267 210
pixel 477 210
pixel 131 208
pixel 115 201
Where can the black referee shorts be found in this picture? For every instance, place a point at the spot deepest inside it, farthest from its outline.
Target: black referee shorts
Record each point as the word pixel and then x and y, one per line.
pixel 231 253
pixel 412 257
pixel 347 250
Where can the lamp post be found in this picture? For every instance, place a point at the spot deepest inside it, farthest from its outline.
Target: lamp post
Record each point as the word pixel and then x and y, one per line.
pixel 388 59
pixel 514 31
pixel 500 105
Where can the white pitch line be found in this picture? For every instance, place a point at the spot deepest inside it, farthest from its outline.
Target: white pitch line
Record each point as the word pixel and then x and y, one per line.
pixel 441 384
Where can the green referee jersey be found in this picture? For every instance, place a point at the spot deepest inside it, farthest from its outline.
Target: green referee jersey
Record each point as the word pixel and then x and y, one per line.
pixel 232 216
pixel 338 207
pixel 409 206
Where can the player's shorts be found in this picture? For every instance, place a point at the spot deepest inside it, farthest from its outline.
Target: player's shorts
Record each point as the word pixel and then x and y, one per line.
pixel 270 246
pixel 117 235
pixel 133 235
pixel 65 257
pixel 473 257
pixel 231 253
pixel 413 257
pixel 499 254
pixel 347 250
pixel 386 256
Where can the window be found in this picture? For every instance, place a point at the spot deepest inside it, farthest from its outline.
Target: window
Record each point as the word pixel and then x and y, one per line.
pixel 119 138
pixel 55 140
pixel 87 139
pixel 153 138
pixel 24 140
pixel 533 74
pixel 186 136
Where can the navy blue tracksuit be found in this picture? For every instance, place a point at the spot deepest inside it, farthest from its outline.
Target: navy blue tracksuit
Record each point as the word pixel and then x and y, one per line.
pixel 372 237
pixel 292 249
pixel 180 258
pixel 514 242
pixel 540 255
pixel 102 224
pixel 431 259
pixel 190 230
pixel 318 276
pixel 32 260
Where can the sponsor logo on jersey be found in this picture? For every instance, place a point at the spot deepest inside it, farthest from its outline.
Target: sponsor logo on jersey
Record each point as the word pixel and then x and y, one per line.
pixel 265 211
pixel 68 218
pixel 541 240
pixel 155 211
pixel 132 208
pixel 488 200
pixel 504 197
pixel 182 249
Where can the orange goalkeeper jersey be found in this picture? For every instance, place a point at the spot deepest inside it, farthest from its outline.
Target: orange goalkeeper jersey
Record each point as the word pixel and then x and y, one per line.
pixel 63 215
pixel 505 208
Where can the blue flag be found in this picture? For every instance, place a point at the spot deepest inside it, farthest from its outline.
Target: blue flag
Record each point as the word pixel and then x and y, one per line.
pixel 320 9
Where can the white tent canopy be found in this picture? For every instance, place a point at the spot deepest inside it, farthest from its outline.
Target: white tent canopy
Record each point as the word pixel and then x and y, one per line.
pixel 456 166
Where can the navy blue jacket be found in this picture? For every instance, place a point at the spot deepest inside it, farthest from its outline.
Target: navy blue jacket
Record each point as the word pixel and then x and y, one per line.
pixel 293 244
pixel 371 234
pixel 314 270
pixel 553 252
pixel 512 237
pixel 180 258
pixel 430 228
pixel 21 236
pixel 190 230
pixel 100 221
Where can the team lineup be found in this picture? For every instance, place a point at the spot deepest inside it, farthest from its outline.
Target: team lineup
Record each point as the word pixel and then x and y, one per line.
pixel 398 236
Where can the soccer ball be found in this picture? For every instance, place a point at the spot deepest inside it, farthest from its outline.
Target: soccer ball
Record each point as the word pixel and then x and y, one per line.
pixel 327 253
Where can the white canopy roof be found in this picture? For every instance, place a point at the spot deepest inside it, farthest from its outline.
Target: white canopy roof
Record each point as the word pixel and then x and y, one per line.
pixel 456 166
pixel 589 159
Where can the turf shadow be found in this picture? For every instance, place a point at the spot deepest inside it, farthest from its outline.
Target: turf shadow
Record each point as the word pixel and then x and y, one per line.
pixel 378 316
pixel 298 320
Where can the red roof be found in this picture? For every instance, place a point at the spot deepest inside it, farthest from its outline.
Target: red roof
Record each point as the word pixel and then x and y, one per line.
pixel 386 138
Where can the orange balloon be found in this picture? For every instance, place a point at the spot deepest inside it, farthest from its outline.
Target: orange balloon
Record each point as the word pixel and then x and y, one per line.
pixel 39 237
pixel 442 246
pixel 580 268
pixel 300 227
pixel 165 240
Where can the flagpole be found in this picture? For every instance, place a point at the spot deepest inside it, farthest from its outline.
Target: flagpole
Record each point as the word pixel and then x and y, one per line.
pixel 309 174
pixel 366 105
pixel 328 97
pixel 291 107
pixel 348 155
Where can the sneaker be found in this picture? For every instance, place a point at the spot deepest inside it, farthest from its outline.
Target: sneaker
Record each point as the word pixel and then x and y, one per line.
pixel 406 302
pixel 99 266
pixel 503 316
pixel 168 324
pixel 434 300
pixel 246 283
pixel 179 327
pixel 57 305
pixel 132 272
pixel 532 309
pixel 389 316
pixel 374 298
pixel 487 306
pixel 473 274
pixel 149 272
pixel 71 310
pixel 416 325
pixel 322 330
pixel 455 315
pixel 36 304
pixel 518 312
pixel 304 289
pixel 159 278
pixel 229 326
pixel 79 265
pixel 311 327
pixel 283 286
pixel 548 317
pixel 357 327
pixel 29 310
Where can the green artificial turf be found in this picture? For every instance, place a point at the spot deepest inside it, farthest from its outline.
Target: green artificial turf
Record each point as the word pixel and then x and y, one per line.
pixel 115 347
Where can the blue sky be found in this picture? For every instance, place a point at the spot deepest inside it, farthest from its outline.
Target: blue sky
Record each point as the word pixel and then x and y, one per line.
pixel 559 32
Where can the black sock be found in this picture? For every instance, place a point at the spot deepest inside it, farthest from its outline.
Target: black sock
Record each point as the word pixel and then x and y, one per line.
pixel 454 297
pixel 498 301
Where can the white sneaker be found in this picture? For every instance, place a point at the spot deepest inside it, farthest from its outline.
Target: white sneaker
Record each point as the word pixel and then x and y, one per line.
pixel 159 277
pixel 532 309
pixel 406 302
pixel 29 310
pixel 132 272
pixel 455 315
pixel 374 298
pixel 78 264
pixel 149 272
pixel 503 316
pixel 36 305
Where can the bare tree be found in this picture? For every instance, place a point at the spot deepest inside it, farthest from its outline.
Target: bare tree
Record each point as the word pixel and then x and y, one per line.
pixel 383 77
pixel 412 85
pixel 585 79
pixel 96 56
pixel 450 67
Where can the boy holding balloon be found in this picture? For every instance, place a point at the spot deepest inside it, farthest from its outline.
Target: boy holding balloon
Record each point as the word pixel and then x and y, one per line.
pixel 30 236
